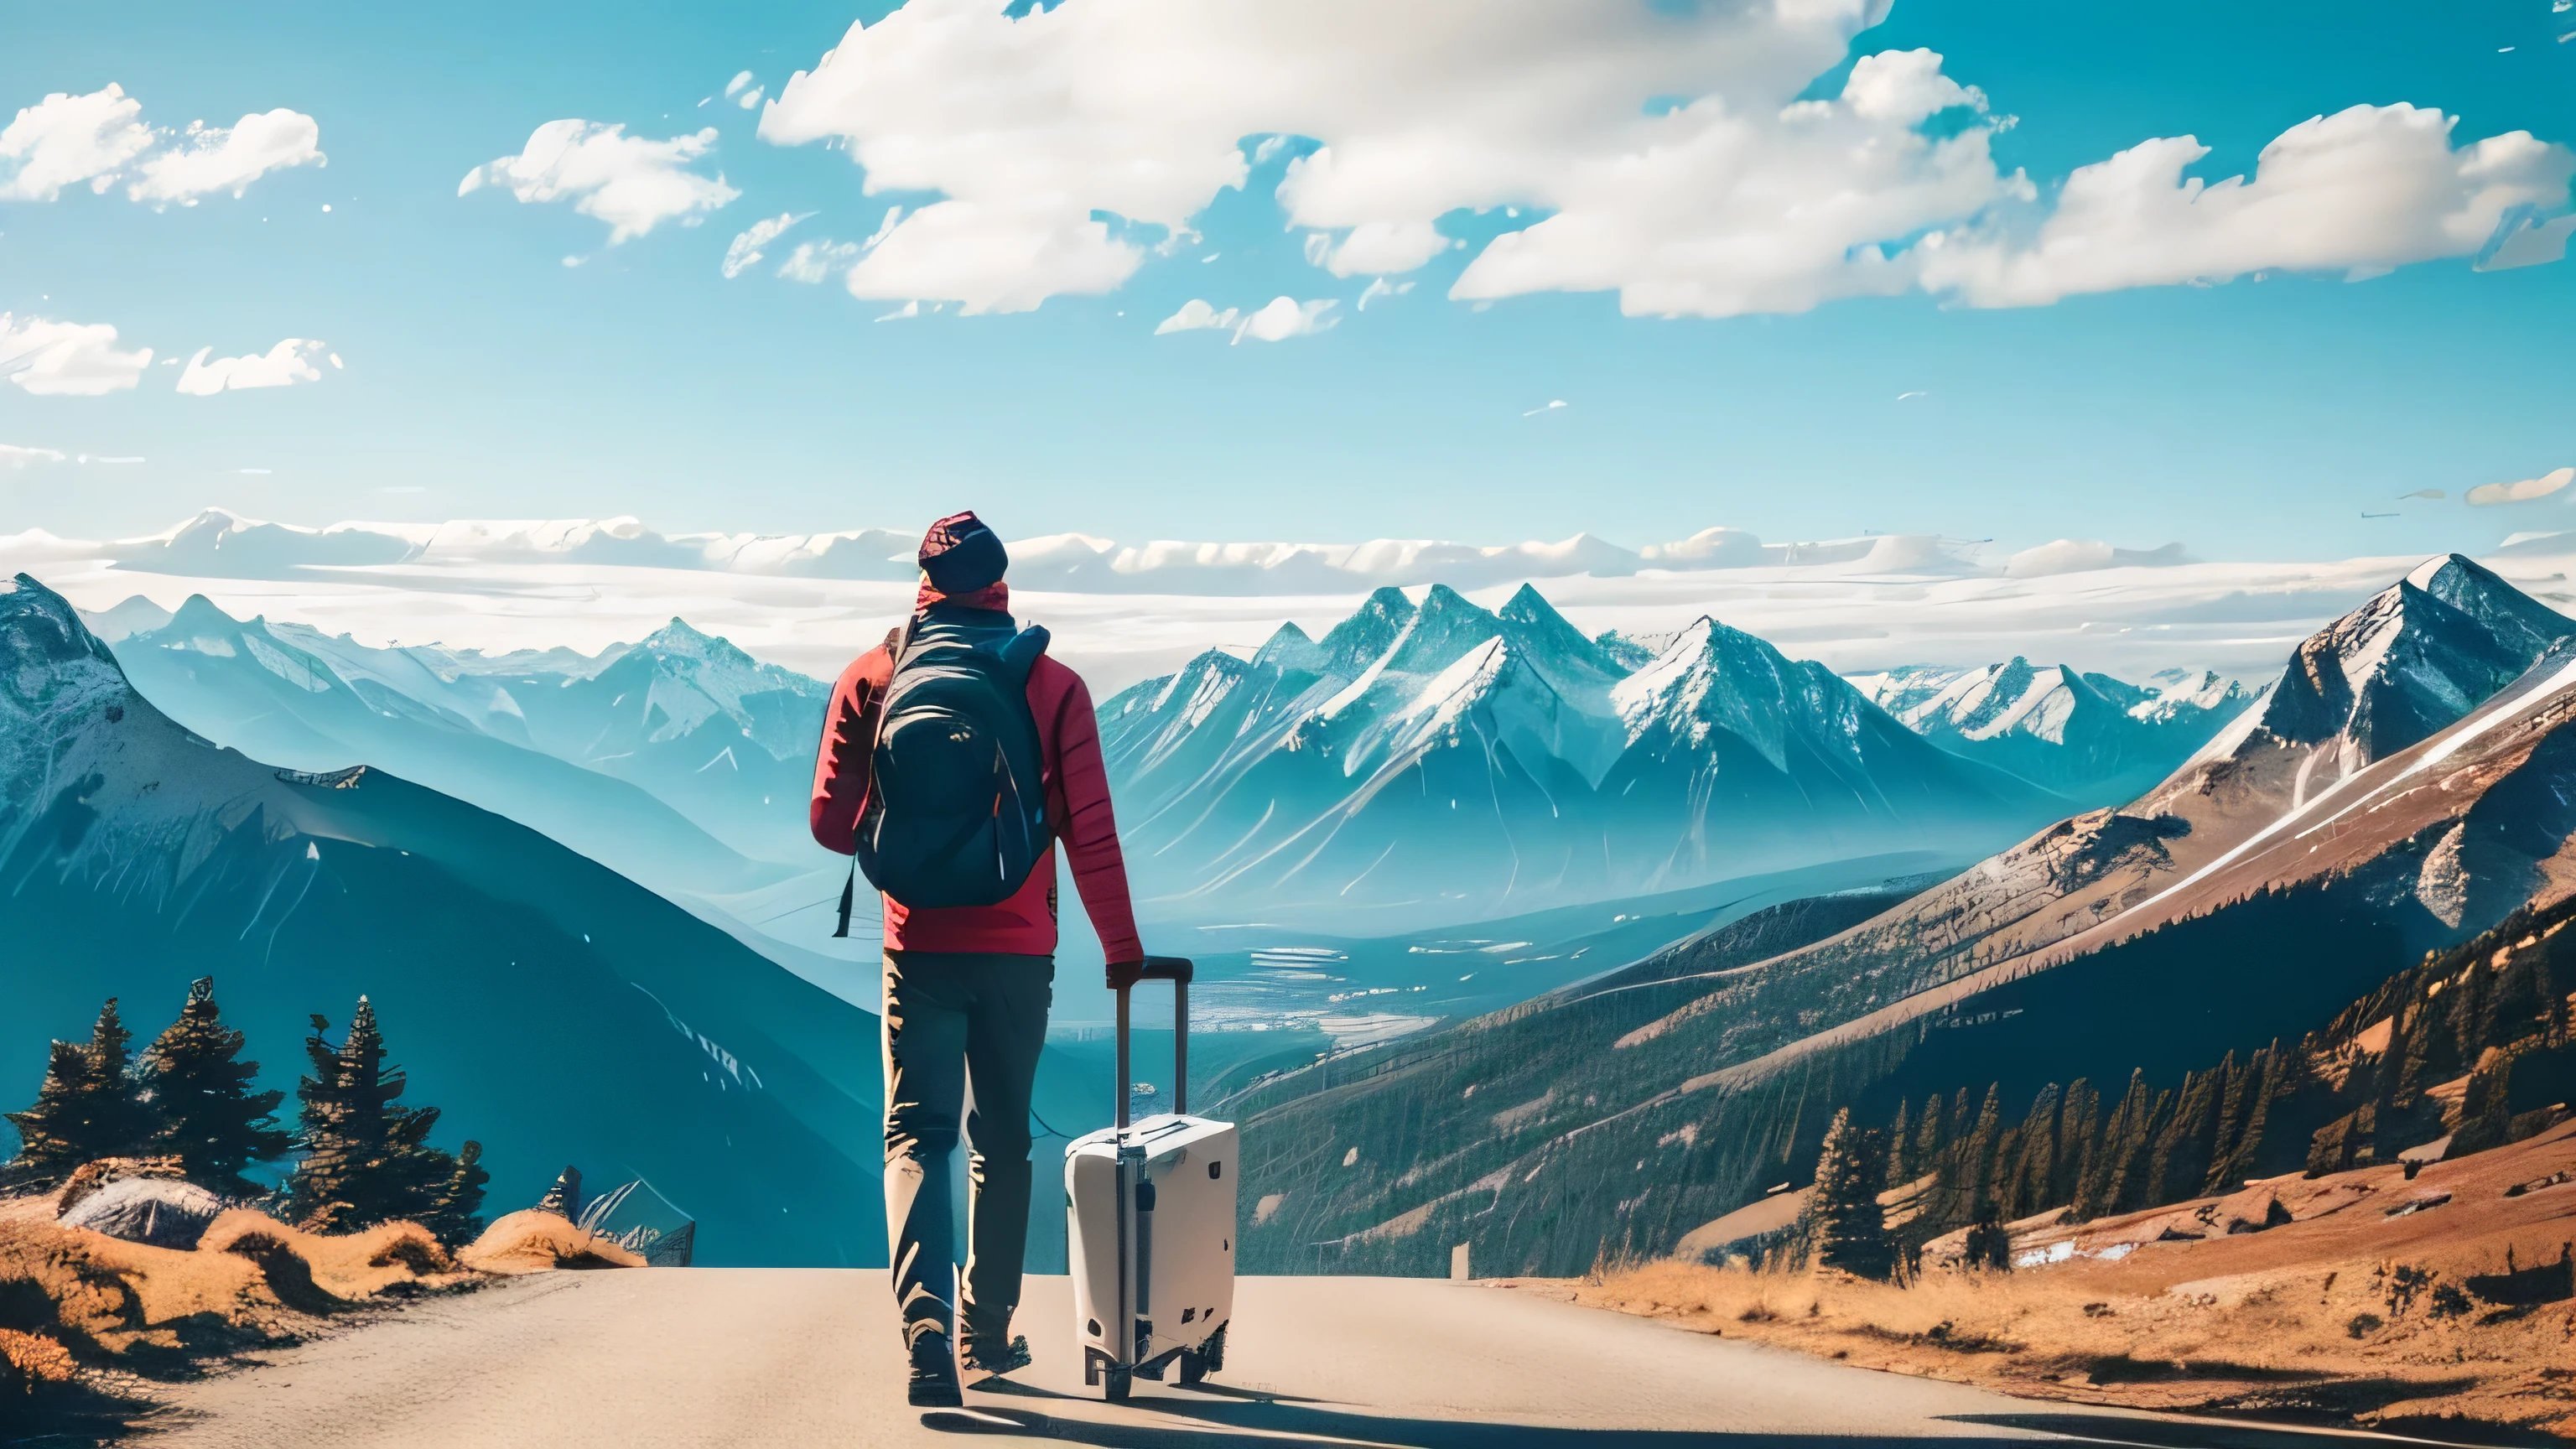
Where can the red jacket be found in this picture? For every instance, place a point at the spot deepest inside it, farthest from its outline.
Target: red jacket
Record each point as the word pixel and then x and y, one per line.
pixel 1077 789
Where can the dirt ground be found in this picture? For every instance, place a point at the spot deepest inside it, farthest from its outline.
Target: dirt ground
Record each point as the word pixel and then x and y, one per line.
pixel 2442 1305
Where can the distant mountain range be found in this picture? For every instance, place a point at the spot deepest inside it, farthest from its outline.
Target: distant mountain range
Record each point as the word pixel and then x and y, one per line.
pixel 1440 757
pixel 2089 737
pixel 678 761
pixel 1420 764
pixel 2406 783
pixel 551 1007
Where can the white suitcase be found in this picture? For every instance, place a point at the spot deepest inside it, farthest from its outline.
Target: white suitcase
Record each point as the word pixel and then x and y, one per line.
pixel 1150 1227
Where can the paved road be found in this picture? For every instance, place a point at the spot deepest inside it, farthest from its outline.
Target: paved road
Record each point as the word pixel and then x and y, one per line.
pixel 784 1359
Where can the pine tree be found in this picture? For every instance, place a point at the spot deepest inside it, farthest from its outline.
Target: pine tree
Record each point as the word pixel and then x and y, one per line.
pixel 211 1120
pixel 90 1105
pixel 2181 1161
pixel 1849 1229
pixel 2144 1110
pixel 1931 1136
pixel 2035 1155
pixel 2079 1134
pixel 456 1215
pixel 1985 1139
pixel 367 1158
pixel 2240 1129
pixel 51 1133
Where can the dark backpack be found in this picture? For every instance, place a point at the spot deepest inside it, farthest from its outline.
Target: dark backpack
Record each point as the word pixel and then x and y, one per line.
pixel 955 812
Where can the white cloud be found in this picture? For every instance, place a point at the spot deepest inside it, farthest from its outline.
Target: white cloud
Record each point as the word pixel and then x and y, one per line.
pixel 2360 192
pixel 1196 315
pixel 2083 555
pixel 1379 247
pixel 219 158
pixel 744 251
pixel 816 261
pixel 997 257
pixel 1286 317
pixel 1726 210
pixel 734 87
pixel 2527 239
pixel 1380 287
pixel 629 182
pixel 1283 318
pixel 2487 495
pixel 65 140
pixel 750 98
pixel 284 365
pixel 66 359
pixel 68 140
pixel 14 458
pixel 1743 198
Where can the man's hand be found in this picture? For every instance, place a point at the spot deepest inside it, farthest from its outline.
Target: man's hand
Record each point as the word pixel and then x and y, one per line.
pixel 1123 974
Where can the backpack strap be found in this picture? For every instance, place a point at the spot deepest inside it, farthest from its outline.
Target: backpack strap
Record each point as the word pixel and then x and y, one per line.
pixel 897 641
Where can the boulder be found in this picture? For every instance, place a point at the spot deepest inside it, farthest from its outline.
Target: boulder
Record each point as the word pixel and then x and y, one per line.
pixel 153 1210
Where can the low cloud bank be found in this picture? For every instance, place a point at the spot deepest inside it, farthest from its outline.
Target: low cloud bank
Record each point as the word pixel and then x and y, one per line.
pixel 216 544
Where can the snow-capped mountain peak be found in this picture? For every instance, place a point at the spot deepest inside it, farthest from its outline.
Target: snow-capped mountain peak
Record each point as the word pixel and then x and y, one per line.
pixel 2523 624
pixel 1446 753
pixel 2089 736
pixel 1351 646
pixel 1444 627
pixel 50 664
pixel 1712 677
pixel 1289 648
pixel 2171 691
pixel 2409 660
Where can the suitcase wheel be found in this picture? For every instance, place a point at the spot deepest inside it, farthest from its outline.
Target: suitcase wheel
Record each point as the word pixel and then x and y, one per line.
pixel 1114 1384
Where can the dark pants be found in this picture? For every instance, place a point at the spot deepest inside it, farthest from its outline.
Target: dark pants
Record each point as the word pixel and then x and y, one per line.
pixel 955 1021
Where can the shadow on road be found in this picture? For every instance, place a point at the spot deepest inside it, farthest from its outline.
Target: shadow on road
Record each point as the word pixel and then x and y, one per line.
pixel 1272 1425
pixel 1247 1419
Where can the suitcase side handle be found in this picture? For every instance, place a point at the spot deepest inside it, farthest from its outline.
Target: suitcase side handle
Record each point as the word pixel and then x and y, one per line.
pixel 1178 970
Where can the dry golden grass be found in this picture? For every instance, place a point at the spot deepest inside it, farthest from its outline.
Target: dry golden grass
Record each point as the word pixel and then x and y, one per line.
pixel 530 1241
pixel 2345 1314
pixel 82 1305
pixel 2274 1344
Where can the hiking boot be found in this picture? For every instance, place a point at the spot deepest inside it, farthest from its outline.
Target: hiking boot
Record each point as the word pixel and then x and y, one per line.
pixel 934 1374
pixel 993 1363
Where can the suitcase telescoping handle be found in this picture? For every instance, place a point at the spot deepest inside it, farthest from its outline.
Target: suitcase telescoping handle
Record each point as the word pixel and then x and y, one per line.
pixel 1176 970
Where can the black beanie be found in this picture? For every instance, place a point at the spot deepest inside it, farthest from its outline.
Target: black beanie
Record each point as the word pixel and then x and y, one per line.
pixel 961 555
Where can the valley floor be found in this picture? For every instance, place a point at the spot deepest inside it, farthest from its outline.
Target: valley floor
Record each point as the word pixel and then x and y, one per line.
pixel 2441 1305
pixel 770 1358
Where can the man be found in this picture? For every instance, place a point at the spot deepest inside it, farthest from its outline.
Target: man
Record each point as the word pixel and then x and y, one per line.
pixel 967 987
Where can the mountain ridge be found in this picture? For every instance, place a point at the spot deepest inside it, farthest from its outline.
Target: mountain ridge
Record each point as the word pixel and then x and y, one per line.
pixel 2090 948
pixel 555 1010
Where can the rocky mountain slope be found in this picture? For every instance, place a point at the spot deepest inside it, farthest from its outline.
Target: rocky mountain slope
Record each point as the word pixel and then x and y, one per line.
pixel 2403 785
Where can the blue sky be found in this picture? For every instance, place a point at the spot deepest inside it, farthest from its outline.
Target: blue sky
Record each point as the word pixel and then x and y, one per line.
pixel 486 378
